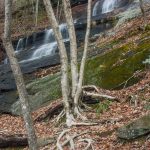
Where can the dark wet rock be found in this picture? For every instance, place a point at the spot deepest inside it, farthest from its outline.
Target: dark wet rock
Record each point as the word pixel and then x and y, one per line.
pixel 135 129
pixel 6 78
pixel 7 81
pixel 6 101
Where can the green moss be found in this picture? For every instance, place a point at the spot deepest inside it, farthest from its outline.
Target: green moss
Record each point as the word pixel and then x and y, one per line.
pixel 41 92
pixel 113 68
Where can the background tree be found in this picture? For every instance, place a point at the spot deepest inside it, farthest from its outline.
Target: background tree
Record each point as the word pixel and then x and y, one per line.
pixel 143 11
pixel 23 95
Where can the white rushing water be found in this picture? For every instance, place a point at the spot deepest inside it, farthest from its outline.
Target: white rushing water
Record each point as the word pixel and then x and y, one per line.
pixel 19 45
pixel 50 45
pixel 108 6
pixel 45 50
pixel 96 9
pixel 49 34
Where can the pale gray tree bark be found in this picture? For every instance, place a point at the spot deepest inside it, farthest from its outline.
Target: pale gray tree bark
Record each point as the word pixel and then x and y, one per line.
pixel 82 66
pixel 73 44
pixel 36 12
pixel 70 108
pixel 143 11
pixel 23 95
pixel 64 60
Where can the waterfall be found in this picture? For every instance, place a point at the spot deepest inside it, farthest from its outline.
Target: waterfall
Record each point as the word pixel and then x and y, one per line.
pixel 96 9
pixel 108 6
pixel 50 45
pixel 19 45
pixel 64 31
pixel 45 50
pixel 49 35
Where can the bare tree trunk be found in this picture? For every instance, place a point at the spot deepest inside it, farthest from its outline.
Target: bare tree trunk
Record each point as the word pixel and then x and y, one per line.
pixel 23 95
pixel 36 12
pixel 81 74
pixel 63 58
pixel 73 44
pixel 143 11
pixel 57 12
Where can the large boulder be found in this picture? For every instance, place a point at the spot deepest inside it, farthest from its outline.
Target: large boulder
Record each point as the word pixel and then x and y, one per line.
pixel 135 129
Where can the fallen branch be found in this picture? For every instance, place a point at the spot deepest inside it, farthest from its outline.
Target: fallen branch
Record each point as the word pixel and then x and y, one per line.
pixel 50 113
pixel 20 140
pixel 100 96
pixel 15 140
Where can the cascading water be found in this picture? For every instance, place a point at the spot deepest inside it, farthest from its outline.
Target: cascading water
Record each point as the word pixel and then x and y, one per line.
pixel 96 9
pixel 45 50
pixel 49 36
pixel 19 45
pixel 108 6
pixel 50 45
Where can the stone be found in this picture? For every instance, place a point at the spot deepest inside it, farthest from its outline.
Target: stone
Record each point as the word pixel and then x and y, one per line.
pixel 135 129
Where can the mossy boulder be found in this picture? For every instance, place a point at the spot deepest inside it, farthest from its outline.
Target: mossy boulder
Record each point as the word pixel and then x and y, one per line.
pixel 135 129
pixel 110 70
pixel 41 91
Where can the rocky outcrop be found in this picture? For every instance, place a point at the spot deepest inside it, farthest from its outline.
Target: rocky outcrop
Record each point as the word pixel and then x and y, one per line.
pixel 135 129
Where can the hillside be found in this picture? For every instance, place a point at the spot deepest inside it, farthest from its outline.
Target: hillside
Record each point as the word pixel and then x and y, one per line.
pixel 115 66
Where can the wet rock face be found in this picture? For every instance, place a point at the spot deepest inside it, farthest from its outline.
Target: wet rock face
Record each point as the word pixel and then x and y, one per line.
pixel 135 129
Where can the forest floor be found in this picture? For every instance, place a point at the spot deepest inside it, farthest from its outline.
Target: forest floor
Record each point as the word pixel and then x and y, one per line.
pixel 115 115
pixel 104 134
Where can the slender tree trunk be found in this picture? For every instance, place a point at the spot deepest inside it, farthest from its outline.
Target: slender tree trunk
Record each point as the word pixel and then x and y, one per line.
pixel 63 58
pixel 36 12
pixel 57 12
pixel 81 74
pixel 73 44
pixel 23 95
pixel 143 12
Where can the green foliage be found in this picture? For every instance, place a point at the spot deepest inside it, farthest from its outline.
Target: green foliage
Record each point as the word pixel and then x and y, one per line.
pixel 102 107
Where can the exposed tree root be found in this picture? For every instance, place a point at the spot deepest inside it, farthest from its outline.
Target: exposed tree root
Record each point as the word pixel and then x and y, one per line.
pixel 89 141
pixel 61 115
pixel 70 140
pixel 79 115
pixel 90 93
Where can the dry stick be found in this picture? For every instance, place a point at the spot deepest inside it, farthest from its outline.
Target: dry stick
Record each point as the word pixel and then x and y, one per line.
pixel 81 74
pixel 23 95
pixel 73 44
pixel 63 58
